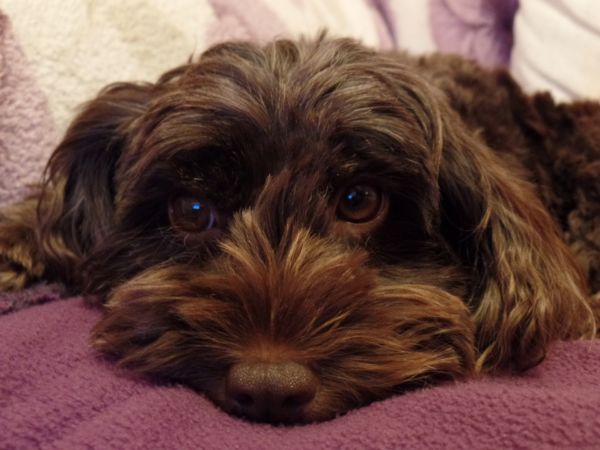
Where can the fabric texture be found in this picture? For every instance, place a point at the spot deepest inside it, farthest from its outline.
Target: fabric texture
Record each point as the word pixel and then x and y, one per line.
pixel 27 132
pixel 35 295
pixel 557 48
pixel 266 19
pixel 480 29
pixel 57 393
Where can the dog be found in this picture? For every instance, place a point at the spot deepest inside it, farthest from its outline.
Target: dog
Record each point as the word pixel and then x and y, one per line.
pixel 305 227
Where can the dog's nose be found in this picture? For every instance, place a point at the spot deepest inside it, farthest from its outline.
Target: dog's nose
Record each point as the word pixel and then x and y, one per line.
pixel 271 392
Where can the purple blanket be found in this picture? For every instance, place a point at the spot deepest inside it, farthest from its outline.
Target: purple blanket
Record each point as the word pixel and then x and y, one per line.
pixel 56 393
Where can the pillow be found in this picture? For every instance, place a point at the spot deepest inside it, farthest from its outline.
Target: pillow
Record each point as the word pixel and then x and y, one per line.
pixel 479 29
pixel 557 47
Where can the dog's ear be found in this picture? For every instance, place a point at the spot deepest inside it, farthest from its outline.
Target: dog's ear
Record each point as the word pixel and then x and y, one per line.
pixel 529 289
pixel 48 235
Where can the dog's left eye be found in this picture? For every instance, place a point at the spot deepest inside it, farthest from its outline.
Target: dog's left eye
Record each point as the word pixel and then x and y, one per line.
pixel 192 214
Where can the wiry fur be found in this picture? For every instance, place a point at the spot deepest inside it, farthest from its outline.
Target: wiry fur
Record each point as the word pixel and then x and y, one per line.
pixel 486 253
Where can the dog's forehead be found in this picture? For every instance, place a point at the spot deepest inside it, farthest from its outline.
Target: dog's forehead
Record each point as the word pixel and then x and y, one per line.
pixel 240 120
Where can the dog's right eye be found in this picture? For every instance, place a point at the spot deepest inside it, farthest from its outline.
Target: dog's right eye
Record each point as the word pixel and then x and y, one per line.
pixel 192 214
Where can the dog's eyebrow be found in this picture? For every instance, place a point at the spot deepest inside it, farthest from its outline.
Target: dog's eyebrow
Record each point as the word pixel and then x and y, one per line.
pixel 377 159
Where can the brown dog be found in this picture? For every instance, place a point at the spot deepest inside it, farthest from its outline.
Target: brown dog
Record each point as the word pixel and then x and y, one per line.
pixel 303 228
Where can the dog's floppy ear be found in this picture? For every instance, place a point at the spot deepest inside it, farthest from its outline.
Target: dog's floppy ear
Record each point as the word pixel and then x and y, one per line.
pixel 76 208
pixel 529 289
pixel 47 235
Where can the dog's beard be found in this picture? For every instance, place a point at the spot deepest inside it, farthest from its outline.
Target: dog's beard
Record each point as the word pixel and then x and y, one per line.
pixel 285 281
pixel 306 299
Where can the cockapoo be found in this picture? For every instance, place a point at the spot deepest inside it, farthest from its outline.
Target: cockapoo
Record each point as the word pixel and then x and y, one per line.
pixel 302 228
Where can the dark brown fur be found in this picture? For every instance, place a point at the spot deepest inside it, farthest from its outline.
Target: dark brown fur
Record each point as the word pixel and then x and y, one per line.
pixel 487 252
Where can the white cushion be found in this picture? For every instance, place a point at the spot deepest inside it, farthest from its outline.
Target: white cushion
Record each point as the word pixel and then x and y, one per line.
pixel 557 47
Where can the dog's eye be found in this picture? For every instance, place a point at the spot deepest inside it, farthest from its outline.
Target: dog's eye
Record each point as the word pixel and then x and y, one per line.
pixel 192 214
pixel 359 203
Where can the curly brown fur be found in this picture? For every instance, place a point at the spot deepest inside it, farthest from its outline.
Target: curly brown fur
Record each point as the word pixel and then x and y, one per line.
pixel 482 253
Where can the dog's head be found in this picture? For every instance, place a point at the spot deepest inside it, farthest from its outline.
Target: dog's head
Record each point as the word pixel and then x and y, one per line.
pixel 302 228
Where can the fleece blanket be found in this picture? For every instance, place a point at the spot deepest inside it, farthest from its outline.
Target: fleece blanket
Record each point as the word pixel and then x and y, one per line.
pixel 57 393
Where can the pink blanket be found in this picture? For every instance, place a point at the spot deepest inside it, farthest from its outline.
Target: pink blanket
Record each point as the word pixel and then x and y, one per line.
pixel 57 393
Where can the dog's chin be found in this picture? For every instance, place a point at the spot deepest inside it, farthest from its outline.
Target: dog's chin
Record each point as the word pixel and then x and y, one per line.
pixel 349 335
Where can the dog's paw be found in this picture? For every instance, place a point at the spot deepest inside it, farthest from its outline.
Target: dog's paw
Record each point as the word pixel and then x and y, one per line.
pixel 15 276
pixel 20 264
pixel 11 279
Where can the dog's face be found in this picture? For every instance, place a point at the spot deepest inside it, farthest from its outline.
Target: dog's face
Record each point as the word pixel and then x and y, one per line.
pixel 297 230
